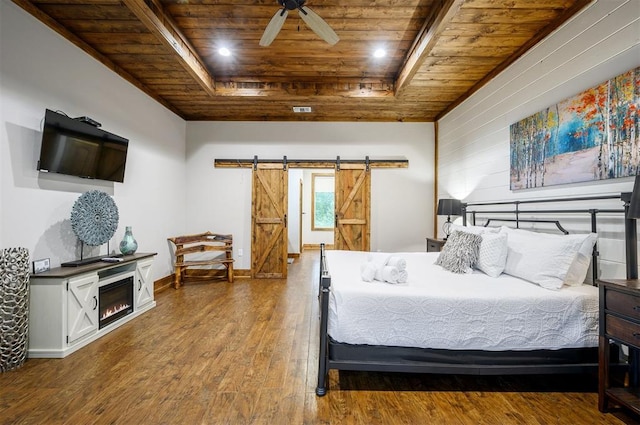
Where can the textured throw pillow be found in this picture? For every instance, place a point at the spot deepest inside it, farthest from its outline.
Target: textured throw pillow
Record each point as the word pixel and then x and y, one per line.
pixel 460 252
pixel 492 255
pixel 541 258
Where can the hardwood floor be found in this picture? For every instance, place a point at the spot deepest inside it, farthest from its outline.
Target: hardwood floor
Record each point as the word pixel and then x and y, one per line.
pixel 245 353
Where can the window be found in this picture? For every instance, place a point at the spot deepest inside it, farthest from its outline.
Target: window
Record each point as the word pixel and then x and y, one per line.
pixel 323 201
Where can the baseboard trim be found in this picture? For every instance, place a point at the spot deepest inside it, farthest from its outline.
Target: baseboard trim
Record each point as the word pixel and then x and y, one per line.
pixel 162 284
pixel 242 273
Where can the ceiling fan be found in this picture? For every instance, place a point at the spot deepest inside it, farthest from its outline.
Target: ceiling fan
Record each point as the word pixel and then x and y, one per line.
pixel 313 21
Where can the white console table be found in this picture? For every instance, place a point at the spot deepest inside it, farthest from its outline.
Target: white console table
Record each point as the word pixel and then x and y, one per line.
pixel 63 313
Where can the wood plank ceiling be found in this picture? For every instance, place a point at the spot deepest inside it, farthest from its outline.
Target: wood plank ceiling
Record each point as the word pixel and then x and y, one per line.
pixel 438 53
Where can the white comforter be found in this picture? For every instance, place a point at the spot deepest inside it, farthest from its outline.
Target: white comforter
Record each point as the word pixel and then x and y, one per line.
pixel 440 309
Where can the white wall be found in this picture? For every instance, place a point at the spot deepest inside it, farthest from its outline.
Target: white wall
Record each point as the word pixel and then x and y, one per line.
pixel 220 198
pixel 38 70
pixel 600 43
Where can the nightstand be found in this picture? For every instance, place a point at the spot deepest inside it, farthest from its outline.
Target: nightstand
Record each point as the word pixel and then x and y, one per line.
pixel 619 324
pixel 435 245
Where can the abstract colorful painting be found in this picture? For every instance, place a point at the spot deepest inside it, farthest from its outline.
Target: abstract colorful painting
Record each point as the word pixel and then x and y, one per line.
pixel 591 136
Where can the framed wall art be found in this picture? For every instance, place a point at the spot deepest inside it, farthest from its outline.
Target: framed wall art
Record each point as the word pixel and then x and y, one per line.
pixel 591 136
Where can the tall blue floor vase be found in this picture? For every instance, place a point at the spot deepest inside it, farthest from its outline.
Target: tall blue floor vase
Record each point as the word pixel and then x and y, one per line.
pixel 14 307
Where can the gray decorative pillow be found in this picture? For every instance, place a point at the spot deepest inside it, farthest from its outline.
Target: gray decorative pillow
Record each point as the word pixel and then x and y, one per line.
pixel 460 252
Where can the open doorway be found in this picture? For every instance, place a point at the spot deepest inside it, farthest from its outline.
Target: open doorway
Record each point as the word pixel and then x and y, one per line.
pixel 314 224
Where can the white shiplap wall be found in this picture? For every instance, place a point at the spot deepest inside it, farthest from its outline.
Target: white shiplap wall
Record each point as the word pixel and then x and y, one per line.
pixel 600 42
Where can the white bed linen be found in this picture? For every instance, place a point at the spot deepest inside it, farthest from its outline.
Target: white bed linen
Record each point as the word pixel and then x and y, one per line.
pixel 440 309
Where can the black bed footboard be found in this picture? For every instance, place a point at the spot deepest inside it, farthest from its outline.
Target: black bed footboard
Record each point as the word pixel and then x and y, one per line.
pixel 323 298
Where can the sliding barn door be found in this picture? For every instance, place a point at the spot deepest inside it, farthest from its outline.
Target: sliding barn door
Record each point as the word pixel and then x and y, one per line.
pixel 269 221
pixel 353 207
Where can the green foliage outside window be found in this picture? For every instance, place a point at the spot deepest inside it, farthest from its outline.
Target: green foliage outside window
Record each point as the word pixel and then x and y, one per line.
pixel 323 196
pixel 324 210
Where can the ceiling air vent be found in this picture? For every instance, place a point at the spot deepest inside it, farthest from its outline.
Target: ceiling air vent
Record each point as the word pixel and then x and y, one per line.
pixel 298 109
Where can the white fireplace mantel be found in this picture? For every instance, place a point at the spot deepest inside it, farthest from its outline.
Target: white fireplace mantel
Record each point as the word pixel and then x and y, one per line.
pixel 63 304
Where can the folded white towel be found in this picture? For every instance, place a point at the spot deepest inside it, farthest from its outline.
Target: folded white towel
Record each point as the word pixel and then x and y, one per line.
pixel 368 271
pixel 397 262
pixel 378 275
pixel 403 276
pixel 389 274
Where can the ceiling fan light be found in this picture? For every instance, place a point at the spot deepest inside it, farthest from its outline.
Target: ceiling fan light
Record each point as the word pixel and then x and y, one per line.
pixel 291 4
pixel 223 51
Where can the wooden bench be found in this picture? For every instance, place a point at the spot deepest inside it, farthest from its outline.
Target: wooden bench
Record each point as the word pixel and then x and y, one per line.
pixel 202 243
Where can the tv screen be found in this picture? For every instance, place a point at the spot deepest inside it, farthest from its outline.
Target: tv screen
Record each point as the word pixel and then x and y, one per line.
pixel 73 147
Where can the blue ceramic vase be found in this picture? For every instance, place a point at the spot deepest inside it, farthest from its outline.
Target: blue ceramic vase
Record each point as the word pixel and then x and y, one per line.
pixel 128 245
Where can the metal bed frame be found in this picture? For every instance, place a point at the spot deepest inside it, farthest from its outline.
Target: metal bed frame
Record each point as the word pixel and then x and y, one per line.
pixel 339 356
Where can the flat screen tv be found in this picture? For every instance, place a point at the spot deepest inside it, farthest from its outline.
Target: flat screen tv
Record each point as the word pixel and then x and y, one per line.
pixel 76 148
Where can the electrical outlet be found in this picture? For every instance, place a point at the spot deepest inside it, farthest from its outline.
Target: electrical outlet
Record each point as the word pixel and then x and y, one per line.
pixel 240 252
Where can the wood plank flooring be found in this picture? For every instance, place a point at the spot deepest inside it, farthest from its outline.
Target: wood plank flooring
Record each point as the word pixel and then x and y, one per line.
pixel 246 353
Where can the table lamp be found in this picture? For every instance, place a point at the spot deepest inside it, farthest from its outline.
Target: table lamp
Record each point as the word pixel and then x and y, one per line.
pixel 451 207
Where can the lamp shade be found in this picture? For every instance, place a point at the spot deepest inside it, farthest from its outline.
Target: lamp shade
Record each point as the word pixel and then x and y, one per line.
pixel 454 206
pixel 634 205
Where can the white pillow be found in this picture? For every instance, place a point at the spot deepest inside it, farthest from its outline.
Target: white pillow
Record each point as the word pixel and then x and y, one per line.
pixel 542 258
pixel 476 230
pixel 578 271
pixel 492 255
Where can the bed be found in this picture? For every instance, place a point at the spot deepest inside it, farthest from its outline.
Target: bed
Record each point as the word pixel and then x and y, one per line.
pixel 460 323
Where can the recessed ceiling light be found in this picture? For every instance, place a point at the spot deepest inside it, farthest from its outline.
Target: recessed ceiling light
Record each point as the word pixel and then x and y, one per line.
pixel 223 51
pixel 379 53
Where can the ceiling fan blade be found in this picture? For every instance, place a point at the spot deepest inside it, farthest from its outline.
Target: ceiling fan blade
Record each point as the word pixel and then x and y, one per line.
pixel 273 28
pixel 318 25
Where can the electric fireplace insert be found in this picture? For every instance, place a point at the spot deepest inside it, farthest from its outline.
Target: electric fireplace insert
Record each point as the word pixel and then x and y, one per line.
pixel 115 300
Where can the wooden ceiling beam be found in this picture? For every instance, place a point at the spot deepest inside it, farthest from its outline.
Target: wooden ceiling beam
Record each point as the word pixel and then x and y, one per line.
pixel 435 25
pixel 153 17
pixel 287 89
